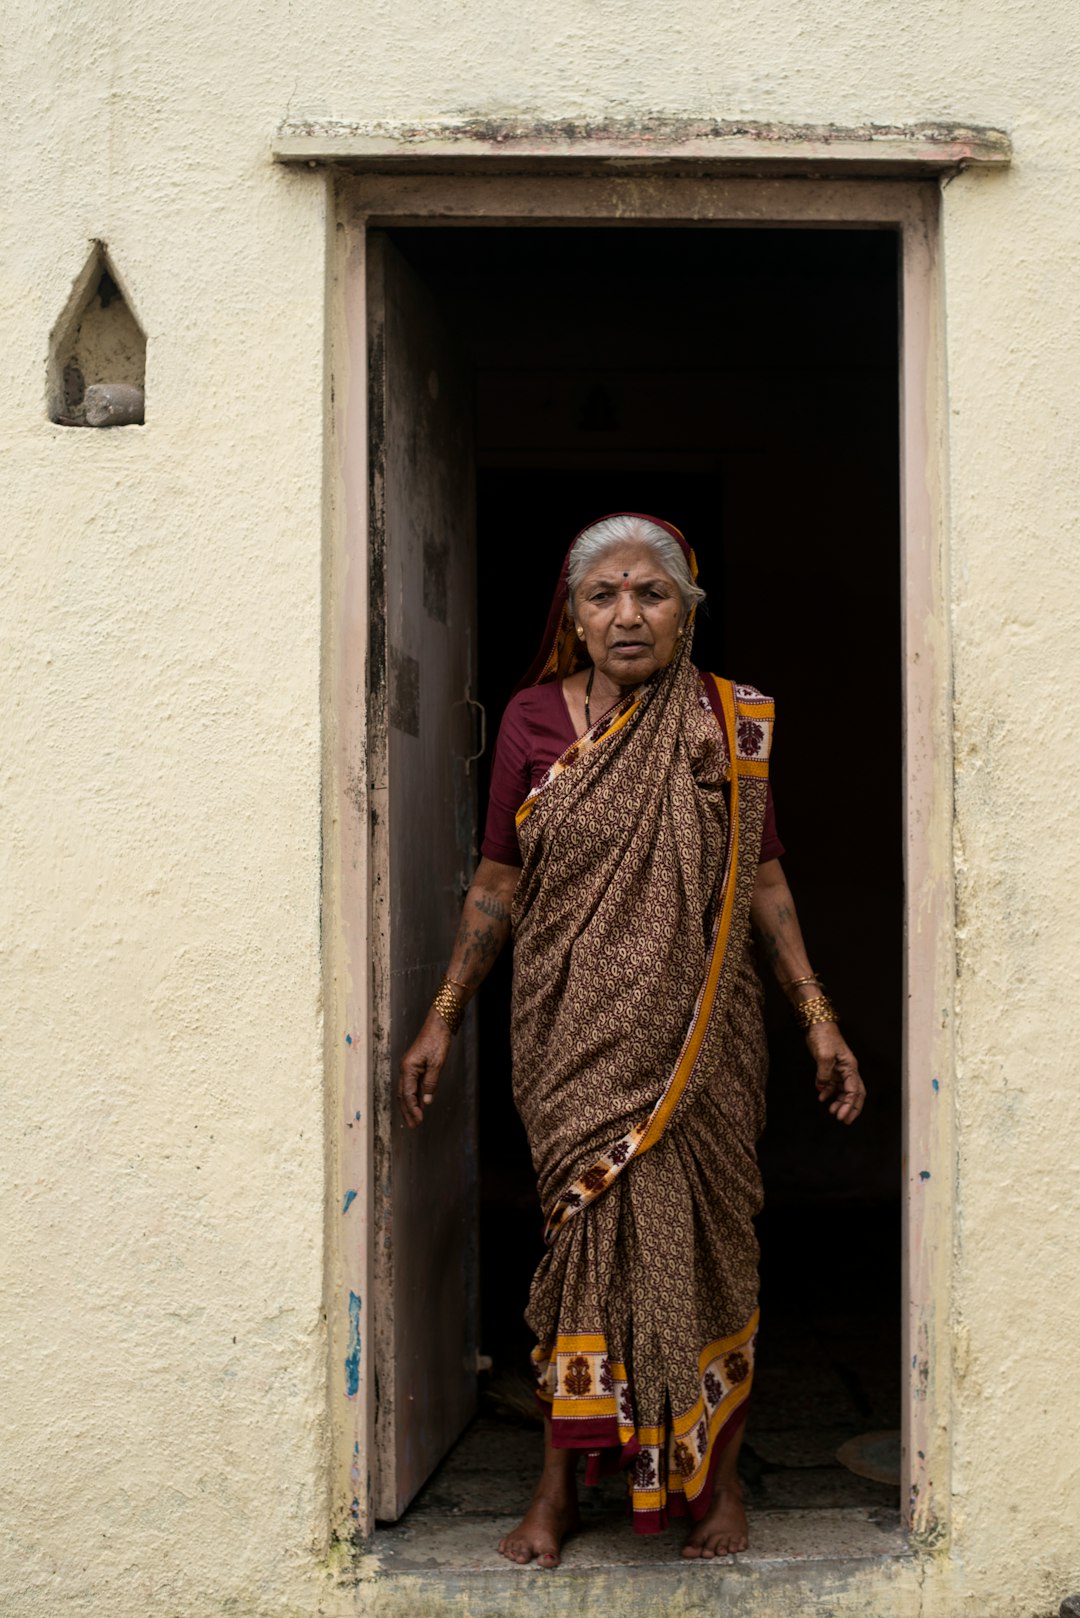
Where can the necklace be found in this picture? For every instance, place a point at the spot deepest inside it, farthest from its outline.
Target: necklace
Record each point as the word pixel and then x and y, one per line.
pixel 588 694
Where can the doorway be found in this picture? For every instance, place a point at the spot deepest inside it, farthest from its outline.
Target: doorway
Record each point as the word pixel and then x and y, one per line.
pixel 744 384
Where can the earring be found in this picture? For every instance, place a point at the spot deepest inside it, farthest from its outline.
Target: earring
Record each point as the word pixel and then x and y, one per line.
pixel 580 633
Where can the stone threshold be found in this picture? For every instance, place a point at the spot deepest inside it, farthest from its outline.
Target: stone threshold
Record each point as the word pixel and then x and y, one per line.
pixel 802 1562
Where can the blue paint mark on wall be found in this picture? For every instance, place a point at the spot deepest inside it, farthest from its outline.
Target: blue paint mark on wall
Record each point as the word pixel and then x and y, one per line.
pixel 358 1117
pixel 347 1204
pixel 352 1358
pixel 348 1039
pixel 924 1174
pixel 936 1085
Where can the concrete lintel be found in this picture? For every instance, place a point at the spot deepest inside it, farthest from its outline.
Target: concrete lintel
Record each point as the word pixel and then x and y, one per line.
pixel 672 145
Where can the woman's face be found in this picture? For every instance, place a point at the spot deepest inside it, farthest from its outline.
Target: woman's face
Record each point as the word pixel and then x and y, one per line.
pixel 631 612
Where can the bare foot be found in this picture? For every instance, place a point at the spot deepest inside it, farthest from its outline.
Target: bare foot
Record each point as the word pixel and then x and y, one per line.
pixel 548 1521
pixel 722 1530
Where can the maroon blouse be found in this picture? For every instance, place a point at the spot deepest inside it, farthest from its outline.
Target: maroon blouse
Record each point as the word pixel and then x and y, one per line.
pixel 537 729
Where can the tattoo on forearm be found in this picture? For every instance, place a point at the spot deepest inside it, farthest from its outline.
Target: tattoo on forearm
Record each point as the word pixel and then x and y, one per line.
pixel 783 913
pixel 477 946
pixel 492 907
pixel 771 948
pixel 483 944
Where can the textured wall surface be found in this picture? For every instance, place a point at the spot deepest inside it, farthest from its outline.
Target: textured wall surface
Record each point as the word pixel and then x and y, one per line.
pixel 1013 309
pixel 165 1443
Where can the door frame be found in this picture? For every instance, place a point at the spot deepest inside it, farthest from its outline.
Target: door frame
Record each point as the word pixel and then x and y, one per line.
pixel 911 208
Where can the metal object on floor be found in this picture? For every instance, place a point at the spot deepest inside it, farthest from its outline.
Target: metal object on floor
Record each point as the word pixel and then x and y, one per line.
pixel 872 1455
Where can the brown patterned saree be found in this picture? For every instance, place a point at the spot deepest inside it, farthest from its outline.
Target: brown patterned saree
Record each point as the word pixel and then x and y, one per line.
pixel 639 1072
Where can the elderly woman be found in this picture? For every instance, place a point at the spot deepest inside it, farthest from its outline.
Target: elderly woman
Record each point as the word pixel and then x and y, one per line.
pixel 630 844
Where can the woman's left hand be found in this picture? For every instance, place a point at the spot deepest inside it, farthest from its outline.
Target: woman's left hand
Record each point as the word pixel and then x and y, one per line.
pixel 837 1078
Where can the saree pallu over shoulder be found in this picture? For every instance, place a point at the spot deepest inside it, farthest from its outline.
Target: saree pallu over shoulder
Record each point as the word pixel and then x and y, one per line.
pixel 639 1074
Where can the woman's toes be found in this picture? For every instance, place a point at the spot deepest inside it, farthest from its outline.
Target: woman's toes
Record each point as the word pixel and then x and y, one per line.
pixel 716 1545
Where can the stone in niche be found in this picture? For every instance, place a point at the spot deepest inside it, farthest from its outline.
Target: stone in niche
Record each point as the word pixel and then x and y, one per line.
pixel 97 345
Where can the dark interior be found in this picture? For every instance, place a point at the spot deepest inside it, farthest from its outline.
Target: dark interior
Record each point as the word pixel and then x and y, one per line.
pixel 743 384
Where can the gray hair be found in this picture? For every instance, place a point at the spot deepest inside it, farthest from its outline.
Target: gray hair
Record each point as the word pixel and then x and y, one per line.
pixel 595 542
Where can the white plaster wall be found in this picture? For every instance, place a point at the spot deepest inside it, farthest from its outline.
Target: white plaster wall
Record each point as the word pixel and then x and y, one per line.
pixel 162 1340
pixel 1014 357
pixel 162 1110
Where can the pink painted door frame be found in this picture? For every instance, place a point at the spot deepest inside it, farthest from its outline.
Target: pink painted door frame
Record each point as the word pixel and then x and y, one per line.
pixel 911 208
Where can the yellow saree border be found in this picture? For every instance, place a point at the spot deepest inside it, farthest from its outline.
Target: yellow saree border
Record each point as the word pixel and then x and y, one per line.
pixel 726 1369
pixel 578 1382
pixel 747 723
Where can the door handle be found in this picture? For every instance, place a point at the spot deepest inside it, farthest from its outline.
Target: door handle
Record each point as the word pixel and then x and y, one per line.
pixel 482 749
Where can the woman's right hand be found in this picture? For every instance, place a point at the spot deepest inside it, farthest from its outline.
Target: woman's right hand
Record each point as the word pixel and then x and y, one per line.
pixel 418 1075
pixel 482 932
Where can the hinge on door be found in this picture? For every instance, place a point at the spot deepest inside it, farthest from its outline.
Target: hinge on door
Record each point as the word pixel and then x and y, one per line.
pixel 464 881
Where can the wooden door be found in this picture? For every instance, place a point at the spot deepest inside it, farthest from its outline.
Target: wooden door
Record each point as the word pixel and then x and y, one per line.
pixel 422 731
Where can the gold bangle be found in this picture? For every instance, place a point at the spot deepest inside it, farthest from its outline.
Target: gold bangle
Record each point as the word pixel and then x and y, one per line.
pixel 449 1007
pixel 817 1009
pixel 797 983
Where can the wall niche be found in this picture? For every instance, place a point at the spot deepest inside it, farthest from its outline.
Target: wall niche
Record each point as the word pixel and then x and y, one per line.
pixel 97 352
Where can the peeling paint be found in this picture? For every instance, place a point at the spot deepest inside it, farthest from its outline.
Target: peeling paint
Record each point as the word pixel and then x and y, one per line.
pixel 352 1358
